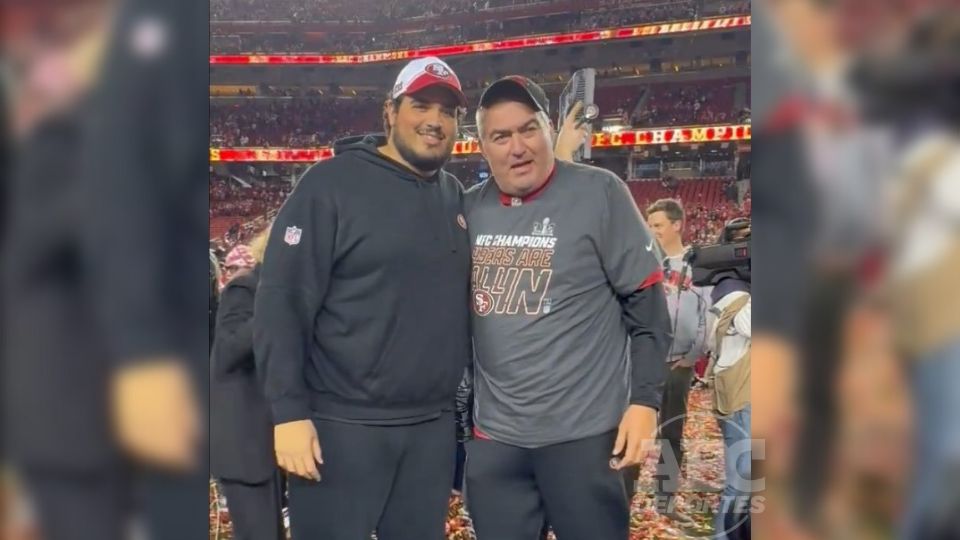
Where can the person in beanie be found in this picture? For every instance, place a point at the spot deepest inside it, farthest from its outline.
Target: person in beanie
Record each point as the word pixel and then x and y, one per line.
pixel 571 332
pixel 360 331
pixel 240 258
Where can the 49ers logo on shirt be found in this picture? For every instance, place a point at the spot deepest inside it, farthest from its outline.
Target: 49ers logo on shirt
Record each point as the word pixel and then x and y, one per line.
pixel 438 70
pixel 511 273
pixel 482 303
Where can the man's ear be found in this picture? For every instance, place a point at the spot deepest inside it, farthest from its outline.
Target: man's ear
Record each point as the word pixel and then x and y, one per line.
pixel 389 114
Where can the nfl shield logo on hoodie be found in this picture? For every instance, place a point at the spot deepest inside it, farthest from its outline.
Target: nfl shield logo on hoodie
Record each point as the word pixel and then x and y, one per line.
pixel 292 236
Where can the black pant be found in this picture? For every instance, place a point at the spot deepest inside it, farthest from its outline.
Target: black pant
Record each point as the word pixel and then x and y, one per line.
pixel 511 491
pixel 255 509
pixel 458 470
pixel 99 504
pixel 394 480
pixel 673 412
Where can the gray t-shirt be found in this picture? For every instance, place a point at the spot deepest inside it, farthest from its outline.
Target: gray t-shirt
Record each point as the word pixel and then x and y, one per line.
pixel 551 350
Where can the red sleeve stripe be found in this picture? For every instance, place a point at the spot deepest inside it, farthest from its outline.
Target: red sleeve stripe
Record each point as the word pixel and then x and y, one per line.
pixel 479 434
pixel 652 279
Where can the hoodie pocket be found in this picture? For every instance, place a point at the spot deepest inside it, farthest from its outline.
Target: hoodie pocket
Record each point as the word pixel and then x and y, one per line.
pixel 373 375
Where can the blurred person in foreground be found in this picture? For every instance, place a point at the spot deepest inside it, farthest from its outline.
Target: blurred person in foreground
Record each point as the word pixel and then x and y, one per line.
pixel 241 431
pixel 360 327
pixel 817 154
pixel 105 342
pixel 913 87
pixel 816 175
pixel 687 305
pixel 571 332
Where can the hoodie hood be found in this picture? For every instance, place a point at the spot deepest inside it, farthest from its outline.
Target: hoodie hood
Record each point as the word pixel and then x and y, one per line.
pixel 445 210
pixel 366 148
pixel 345 143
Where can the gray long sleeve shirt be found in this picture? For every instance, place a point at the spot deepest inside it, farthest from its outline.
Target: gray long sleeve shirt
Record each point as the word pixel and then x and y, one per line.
pixel 688 306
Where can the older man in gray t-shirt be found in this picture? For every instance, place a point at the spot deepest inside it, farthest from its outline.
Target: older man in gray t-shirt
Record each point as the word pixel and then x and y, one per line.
pixel 571 332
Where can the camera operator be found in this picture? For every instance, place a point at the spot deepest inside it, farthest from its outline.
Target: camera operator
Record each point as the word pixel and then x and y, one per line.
pixel 729 370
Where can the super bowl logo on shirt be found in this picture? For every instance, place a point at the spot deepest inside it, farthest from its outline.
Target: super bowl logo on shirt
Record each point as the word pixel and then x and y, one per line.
pixel 543 228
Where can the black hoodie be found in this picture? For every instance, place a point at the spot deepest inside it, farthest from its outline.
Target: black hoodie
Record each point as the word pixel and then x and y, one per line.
pixel 362 310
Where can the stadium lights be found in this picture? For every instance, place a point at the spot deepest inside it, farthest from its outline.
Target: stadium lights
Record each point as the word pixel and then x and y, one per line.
pixel 642 137
pixel 660 29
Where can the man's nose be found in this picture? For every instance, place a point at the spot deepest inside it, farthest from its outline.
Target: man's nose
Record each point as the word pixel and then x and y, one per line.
pixel 433 119
pixel 517 146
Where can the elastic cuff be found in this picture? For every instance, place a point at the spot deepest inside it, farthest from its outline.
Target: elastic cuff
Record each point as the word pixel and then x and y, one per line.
pixel 290 410
pixel 646 401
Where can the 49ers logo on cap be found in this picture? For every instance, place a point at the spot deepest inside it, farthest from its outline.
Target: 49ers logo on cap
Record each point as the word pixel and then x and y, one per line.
pixel 437 69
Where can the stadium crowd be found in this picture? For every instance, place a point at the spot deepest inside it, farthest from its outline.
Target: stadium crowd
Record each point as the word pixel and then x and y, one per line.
pixel 230 198
pixel 293 122
pixel 317 120
pixel 370 11
pixel 250 209
pixel 437 32
pixel 686 104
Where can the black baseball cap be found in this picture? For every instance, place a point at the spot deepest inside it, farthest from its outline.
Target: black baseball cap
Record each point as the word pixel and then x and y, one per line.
pixel 516 87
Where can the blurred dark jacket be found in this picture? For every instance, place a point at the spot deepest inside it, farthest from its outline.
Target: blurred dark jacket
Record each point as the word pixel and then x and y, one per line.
pixel 214 296
pixel 241 430
pixel 783 217
pixel 107 221
pixel 55 360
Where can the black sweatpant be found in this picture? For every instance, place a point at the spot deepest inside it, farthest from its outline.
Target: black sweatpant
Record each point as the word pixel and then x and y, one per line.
pixel 511 491
pixel 102 504
pixel 255 509
pixel 672 419
pixel 394 480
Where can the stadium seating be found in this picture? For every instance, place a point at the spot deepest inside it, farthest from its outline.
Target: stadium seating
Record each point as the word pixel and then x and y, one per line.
pixel 498 24
pixel 237 213
pixel 317 121
pixel 703 200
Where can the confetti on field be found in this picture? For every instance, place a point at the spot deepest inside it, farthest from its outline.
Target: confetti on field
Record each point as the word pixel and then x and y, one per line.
pixel 698 497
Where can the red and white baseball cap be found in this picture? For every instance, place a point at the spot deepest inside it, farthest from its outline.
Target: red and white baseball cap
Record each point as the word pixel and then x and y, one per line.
pixel 424 72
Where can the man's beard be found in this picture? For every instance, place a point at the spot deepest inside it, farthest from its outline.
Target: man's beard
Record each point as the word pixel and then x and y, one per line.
pixel 419 162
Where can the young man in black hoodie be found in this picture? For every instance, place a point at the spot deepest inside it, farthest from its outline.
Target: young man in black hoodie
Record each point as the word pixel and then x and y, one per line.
pixel 360 327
